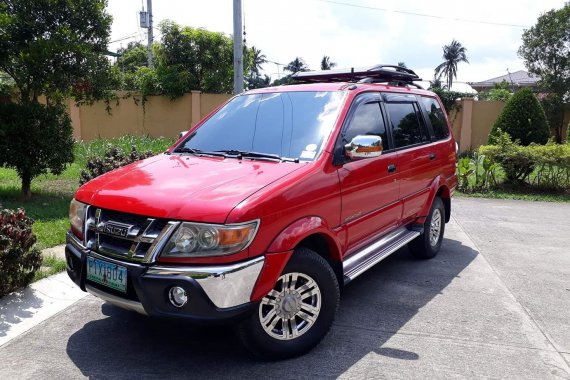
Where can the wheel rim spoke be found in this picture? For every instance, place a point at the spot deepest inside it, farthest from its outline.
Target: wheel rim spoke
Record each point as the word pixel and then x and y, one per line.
pixel 291 308
pixel 435 228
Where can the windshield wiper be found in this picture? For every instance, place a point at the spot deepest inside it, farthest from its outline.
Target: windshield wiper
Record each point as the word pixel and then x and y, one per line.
pixel 239 154
pixel 198 152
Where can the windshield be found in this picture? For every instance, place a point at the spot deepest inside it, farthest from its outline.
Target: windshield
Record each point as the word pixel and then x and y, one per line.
pixel 285 124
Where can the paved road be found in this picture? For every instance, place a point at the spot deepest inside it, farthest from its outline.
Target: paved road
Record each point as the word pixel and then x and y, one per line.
pixel 495 303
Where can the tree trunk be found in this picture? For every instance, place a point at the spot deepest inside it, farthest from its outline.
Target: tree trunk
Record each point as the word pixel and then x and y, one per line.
pixel 26 185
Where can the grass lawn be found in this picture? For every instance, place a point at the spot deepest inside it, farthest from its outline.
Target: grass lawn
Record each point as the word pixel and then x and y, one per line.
pixel 524 194
pixel 49 204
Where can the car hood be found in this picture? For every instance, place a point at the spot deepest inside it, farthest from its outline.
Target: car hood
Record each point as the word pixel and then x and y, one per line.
pixel 201 189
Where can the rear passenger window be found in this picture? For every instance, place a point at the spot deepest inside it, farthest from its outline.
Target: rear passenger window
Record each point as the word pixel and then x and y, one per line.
pixel 436 117
pixel 367 120
pixel 407 128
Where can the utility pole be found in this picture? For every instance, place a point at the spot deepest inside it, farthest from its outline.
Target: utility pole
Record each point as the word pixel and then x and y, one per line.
pixel 150 36
pixel 238 48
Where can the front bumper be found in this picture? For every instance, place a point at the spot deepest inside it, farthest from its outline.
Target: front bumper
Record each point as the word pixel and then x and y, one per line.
pixel 215 293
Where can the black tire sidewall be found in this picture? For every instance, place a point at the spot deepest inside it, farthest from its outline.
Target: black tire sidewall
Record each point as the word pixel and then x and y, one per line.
pixel 431 251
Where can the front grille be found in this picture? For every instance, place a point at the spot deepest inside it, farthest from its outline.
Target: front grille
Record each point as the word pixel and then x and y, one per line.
pixel 121 235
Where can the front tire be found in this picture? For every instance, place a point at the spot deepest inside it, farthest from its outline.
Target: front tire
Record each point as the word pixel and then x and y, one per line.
pixel 428 244
pixel 297 313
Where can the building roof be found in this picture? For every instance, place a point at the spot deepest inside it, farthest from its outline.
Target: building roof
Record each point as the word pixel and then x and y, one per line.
pixel 519 78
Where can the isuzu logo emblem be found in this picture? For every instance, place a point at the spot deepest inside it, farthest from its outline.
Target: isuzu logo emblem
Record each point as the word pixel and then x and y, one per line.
pixel 116 229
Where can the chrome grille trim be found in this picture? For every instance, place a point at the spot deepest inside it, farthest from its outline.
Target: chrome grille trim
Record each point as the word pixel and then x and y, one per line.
pixel 124 236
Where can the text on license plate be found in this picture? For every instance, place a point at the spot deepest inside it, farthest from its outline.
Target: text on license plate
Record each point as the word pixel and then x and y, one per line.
pixel 111 275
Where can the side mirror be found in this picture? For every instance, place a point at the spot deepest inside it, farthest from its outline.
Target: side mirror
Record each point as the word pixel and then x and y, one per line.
pixel 361 146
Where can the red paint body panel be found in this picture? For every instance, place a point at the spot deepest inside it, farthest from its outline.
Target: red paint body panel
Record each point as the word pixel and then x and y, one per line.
pixel 198 189
pixel 272 268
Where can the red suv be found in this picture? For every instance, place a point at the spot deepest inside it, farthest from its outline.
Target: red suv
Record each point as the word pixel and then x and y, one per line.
pixel 262 212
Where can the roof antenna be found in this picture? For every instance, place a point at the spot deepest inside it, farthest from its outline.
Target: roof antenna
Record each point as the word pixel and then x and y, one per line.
pixel 352 74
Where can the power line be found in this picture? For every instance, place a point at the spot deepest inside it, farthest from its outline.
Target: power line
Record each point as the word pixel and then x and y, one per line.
pixel 131 35
pixel 422 14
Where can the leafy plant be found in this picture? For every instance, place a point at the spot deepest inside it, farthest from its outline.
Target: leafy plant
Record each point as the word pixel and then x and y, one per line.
pixel 523 119
pixel 476 173
pixel 518 163
pixel 542 166
pixel 18 259
pixel 35 139
pixel 114 158
pixel 546 53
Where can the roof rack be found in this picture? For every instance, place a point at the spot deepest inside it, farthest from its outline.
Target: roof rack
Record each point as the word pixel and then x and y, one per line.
pixel 396 75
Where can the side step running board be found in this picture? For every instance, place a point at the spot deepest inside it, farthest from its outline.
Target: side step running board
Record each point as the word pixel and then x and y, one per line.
pixel 371 255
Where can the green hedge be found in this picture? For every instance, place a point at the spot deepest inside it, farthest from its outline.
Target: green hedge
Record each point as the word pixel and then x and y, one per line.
pixel 545 166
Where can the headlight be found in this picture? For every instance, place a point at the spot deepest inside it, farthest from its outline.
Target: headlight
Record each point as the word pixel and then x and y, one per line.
pixel 77 217
pixel 202 240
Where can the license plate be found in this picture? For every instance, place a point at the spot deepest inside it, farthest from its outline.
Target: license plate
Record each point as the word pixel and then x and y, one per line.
pixel 111 275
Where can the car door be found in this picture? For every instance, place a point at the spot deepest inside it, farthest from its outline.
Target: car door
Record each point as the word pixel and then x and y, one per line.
pixel 417 154
pixel 369 186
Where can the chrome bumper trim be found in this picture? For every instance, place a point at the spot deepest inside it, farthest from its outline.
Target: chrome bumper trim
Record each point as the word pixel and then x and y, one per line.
pixel 117 301
pixel 226 285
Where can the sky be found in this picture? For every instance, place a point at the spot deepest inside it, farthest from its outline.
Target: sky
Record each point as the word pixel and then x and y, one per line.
pixel 357 33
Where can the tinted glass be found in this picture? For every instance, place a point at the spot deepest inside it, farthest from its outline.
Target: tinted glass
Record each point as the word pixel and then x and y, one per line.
pixel 290 124
pixel 436 117
pixel 367 120
pixel 406 127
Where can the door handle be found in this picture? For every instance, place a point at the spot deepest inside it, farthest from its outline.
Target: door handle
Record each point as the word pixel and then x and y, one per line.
pixel 432 156
pixel 391 168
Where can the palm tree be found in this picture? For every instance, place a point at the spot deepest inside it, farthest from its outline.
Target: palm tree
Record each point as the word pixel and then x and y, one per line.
pixel 452 55
pixel 326 63
pixel 259 60
pixel 297 65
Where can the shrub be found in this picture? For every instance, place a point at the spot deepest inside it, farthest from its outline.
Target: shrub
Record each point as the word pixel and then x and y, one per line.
pixel 34 139
pixel 517 162
pixel 18 260
pixel 113 158
pixel 523 118
pixel 544 166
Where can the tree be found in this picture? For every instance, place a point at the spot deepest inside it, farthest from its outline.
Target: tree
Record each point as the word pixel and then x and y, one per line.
pixel 35 139
pixel 453 54
pixel 546 51
pixel 297 65
pixel 499 92
pixel 57 49
pixel 259 59
pixel 326 63
pixel 254 79
pixel 195 59
pixel 523 119
pixel 132 57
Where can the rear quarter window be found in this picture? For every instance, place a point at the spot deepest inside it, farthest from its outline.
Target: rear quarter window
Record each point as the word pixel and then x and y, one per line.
pixel 436 118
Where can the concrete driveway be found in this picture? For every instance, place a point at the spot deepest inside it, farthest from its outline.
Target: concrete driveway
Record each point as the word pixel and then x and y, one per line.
pixel 495 303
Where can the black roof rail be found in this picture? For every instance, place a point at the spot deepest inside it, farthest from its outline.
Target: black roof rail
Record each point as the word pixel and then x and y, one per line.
pixel 375 74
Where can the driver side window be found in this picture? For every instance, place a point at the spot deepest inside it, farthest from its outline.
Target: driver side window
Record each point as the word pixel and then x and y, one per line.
pixel 367 120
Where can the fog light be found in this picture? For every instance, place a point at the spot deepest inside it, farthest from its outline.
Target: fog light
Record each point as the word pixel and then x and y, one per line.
pixel 177 296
